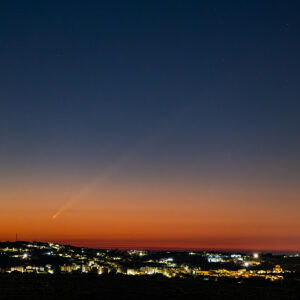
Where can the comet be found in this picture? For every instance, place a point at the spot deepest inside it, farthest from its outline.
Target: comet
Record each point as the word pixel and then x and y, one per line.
pixel 83 192
pixel 75 198
pixel 125 158
pixel 85 189
pixel 62 209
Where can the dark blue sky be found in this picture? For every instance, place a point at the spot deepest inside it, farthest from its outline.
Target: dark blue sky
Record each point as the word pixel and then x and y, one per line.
pixel 177 86
pixel 151 123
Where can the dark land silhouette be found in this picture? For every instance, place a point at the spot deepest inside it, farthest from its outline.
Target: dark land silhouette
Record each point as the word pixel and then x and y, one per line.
pixel 88 286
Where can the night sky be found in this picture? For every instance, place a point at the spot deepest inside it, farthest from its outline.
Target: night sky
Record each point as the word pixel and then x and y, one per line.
pixel 151 124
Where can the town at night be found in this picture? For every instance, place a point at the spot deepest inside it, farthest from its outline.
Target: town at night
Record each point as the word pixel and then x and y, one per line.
pixel 53 258
pixel 150 149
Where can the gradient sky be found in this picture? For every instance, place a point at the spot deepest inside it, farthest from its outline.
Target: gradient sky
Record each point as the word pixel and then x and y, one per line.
pixel 151 124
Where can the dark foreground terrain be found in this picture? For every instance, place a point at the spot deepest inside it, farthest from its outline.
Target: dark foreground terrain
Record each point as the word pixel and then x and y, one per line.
pixel 27 286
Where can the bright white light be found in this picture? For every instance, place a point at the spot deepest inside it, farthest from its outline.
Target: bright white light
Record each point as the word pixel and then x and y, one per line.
pixel 246 264
pixel 25 256
pixel 255 255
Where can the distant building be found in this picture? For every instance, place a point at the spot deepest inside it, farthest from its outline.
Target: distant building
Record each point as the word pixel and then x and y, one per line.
pixel 277 269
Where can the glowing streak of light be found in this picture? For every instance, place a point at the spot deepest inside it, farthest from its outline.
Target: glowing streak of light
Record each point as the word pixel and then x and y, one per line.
pixel 84 191
pixel 125 158
pixel 75 198
pixel 62 209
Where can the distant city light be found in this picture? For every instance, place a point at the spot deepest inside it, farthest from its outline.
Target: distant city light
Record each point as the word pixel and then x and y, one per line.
pixel 81 260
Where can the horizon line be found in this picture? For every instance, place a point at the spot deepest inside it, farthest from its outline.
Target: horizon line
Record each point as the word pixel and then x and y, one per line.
pixel 153 248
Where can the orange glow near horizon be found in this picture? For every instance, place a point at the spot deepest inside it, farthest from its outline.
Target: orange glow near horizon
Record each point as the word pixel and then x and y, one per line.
pixel 135 214
pixel 151 124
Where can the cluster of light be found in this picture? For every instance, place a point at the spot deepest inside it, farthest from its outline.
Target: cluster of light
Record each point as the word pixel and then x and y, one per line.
pixel 105 261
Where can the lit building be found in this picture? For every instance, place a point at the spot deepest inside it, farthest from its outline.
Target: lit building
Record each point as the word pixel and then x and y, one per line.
pixel 277 269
